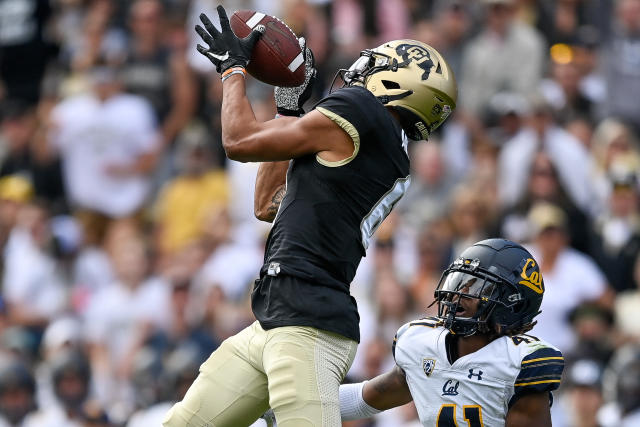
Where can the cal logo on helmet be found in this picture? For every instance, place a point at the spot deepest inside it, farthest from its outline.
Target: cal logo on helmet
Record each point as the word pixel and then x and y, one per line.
pixel 531 276
pixel 421 56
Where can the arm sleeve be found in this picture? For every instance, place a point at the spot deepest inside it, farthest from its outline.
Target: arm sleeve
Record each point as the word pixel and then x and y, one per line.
pixel 352 405
pixel 540 371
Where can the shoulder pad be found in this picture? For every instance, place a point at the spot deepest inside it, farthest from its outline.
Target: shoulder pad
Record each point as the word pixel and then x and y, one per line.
pixel 399 333
pixel 430 322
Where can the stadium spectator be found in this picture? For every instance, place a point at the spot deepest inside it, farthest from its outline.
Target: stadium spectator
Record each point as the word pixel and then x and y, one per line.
pixel 570 277
pixel 136 305
pixel 428 197
pixel 185 200
pixel 32 284
pixel 616 233
pixel 107 140
pixel 71 377
pixel 544 186
pixel 627 304
pixel 27 156
pixel 582 395
pixel 621 64
pixel 23 29
pixel 611 139
pixel 517 157
pixel 17 391
pixel 156 71
pixel 491 61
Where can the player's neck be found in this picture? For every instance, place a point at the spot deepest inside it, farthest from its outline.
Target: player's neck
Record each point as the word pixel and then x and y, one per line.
pixel 458 347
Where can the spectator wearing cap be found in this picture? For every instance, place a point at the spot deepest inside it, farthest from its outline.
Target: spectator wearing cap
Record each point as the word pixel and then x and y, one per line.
pixel 582 395
pixel 15 192
pixel 492 61
pixel 616 232
pixel 108 144
pixel 570 277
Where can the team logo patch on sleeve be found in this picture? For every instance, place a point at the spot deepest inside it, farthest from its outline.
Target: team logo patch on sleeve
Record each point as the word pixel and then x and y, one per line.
pixel 428 365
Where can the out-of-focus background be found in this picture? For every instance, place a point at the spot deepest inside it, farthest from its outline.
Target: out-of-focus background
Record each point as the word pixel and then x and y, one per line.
pixel 129 245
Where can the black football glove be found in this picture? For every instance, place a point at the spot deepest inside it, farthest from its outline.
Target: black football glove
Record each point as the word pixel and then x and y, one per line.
pixel 289 100
pixel 226 50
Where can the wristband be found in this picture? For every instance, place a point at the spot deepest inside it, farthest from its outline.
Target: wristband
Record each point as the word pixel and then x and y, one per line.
pixel 231 71
pixel 352 405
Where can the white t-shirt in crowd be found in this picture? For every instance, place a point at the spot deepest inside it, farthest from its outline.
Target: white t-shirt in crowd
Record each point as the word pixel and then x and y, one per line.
pixel 31 278
pixel 575 279
pixel 93 135
pixel 116 313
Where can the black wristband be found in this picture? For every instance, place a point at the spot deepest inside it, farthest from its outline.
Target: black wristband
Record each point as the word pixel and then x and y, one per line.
pixel 290 113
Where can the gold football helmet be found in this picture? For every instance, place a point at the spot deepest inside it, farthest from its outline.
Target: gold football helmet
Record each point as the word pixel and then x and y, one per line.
pixel 412 78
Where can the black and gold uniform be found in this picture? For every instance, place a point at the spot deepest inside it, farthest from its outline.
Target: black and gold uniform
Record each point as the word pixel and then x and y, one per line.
pixel 327 217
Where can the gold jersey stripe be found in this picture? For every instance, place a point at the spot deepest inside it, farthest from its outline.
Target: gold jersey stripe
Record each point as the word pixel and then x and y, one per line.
pixel 537 382
pixel 543 358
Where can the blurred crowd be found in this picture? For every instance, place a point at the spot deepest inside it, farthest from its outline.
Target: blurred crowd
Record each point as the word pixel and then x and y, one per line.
pixel 128 241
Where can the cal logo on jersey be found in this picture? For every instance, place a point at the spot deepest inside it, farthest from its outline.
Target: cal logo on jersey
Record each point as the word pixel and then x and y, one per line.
pixel 428 365
pixel 531 277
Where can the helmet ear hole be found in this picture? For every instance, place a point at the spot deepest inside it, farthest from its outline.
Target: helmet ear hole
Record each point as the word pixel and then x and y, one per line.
pixel 388 84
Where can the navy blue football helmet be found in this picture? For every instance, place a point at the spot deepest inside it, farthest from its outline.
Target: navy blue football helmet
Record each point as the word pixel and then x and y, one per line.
pixel 504 278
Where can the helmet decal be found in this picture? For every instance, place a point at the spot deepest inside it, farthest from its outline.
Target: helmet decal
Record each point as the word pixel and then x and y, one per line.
pixel 532 280
pixel 413 52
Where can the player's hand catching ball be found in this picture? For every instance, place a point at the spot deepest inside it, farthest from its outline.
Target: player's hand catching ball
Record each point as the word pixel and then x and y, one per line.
pixel 226 50
pixel 289 100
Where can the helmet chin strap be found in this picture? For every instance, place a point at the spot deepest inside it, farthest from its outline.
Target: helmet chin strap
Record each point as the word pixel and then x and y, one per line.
pixel 385 99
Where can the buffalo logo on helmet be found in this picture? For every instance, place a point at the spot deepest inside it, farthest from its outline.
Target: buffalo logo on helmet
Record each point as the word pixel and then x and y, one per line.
pixel 531 277
pixel 428 365
pixel 413 52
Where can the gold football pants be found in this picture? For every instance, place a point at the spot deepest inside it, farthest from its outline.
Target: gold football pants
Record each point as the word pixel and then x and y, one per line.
pixel 295 370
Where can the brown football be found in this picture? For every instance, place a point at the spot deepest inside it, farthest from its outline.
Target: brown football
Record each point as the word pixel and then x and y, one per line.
pixel 276 58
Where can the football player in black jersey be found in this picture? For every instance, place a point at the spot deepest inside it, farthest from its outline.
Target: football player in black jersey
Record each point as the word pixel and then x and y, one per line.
pixel 327 181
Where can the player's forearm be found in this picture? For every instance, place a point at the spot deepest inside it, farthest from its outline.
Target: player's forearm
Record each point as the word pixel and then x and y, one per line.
pixel 387 390
pixel 237 118
pixel 364 400
pixel 270 189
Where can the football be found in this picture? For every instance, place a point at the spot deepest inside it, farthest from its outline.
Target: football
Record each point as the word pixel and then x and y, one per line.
pixel 277 58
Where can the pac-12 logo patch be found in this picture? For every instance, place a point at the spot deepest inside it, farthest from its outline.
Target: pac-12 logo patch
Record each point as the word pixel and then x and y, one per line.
pixel 417 53
pixel 428 366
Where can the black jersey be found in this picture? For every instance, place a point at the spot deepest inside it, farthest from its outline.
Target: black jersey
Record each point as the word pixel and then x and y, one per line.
pixel 327 217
